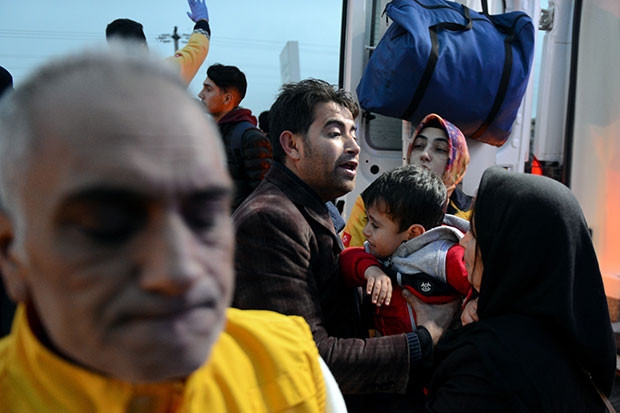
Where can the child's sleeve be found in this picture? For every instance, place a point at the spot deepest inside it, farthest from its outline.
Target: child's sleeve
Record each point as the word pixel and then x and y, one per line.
pixel 456 273
pixel 353 263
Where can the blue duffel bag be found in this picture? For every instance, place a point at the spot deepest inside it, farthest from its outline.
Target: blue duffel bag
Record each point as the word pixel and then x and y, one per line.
pixel 442 57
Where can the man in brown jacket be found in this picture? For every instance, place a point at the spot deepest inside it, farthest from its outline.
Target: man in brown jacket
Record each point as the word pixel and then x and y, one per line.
pixel 287 248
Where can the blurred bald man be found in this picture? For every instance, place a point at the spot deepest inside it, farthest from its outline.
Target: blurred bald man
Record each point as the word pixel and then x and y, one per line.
pixel 117 243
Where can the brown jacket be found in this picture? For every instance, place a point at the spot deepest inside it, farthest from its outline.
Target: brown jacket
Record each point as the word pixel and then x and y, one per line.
pixel 287 261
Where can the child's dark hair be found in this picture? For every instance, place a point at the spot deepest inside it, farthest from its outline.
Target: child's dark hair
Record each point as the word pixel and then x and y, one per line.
pixel 410 195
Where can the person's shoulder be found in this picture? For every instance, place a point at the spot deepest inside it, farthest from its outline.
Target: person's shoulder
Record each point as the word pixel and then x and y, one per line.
pixel 268 198
pixel 242 130
pixel 457 222
pixel 261 358
pixel 264 319
pixel 271 331
pixel 252 134
pixel 252 130
pixel 267 205
pixel 460 204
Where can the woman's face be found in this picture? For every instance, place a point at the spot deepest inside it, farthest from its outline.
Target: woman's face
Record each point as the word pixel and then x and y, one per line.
pixel 473 261
pixel 430 150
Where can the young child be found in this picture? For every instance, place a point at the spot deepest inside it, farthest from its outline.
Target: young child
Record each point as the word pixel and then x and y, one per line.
pixel 406 245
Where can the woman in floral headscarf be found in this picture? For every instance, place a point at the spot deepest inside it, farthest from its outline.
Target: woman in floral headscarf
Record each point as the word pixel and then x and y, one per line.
pixel 438 145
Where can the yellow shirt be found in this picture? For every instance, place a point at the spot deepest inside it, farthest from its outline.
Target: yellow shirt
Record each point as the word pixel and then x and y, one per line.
pixel 466 215
pixel 352 235
pixel 262 362
pixel 191 57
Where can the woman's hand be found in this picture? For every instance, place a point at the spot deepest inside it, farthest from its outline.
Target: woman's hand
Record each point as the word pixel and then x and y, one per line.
pixel 470 312
pixel 436 318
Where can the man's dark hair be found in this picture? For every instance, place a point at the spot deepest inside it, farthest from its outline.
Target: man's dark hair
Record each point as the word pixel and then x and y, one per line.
pixel 125 29
pixel 6 81
pixel 409 195
pixel 228 77
pixel 263 121
pixel 294 107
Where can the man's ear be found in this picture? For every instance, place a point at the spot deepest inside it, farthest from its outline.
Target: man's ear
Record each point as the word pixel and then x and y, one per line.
pixel 415 230
pixel 9 264
pixel 290 144
pixel 232 99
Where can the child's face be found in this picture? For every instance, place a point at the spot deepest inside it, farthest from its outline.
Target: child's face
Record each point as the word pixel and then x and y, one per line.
pixel 382 232
pixel 430 150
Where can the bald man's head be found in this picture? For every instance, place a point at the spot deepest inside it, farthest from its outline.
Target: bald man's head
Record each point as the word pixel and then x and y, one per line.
pixel 115 231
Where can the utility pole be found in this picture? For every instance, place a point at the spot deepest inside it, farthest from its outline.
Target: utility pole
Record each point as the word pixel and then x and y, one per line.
pixel 175 37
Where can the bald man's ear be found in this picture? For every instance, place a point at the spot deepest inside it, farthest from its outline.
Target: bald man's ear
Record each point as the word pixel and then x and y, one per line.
pixel 9 265
pixel 290 143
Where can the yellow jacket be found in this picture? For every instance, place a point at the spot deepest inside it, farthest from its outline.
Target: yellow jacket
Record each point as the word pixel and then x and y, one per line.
pixel 352 235
pixel 262 362
pixel 190 58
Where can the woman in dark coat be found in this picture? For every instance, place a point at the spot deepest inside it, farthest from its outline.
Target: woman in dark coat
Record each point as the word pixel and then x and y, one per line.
pixel 543 340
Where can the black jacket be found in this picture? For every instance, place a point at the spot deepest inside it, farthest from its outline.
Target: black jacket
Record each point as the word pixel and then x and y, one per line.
pixel 249 167
pixel 544 326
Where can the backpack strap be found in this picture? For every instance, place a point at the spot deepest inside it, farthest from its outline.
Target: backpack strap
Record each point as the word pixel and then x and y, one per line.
pixel 235 140
pixel 423 283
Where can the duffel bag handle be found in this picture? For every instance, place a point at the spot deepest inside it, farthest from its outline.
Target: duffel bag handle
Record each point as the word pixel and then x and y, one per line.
pixel 455 26
pixel 485 6
pixel 432 60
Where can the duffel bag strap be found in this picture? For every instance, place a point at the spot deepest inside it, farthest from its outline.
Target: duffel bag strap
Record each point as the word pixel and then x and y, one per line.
pixel 485 6
pixel 425 80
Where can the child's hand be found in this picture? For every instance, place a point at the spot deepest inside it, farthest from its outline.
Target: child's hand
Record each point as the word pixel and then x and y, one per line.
pixel 470 312
pixel 379 286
